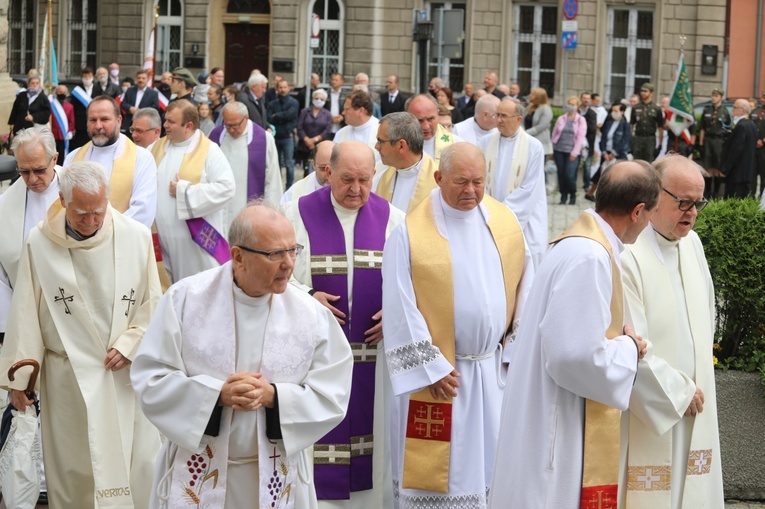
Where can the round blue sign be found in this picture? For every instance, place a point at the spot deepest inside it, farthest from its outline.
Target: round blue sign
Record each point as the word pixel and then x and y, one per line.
pixel 570 8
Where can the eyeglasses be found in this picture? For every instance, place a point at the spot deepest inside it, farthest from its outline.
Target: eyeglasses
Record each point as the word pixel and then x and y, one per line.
pixel 39 172
pixel 142 131
pixel 505 116
pixel 235 125
pixel 686 205
pixel 381 141
pixel 278 255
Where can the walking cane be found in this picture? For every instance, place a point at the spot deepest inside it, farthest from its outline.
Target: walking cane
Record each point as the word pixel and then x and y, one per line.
pixel 30 392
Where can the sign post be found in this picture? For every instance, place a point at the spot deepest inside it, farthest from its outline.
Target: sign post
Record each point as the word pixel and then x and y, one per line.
pixel 569 32
pixel 314 43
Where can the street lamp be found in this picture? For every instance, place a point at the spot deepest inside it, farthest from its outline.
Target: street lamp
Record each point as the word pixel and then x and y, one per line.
pixel 423 33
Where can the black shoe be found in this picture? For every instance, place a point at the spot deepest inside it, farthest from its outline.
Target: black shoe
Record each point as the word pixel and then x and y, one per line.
pixel 562 201
pixel 572 201
pixel 589 197
pixel 43 500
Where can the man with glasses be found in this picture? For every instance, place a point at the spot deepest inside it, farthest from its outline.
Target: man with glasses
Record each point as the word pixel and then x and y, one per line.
pixel 242 372
pixel 252 154
pixel 316 179
pixel 483 123
pixel 195 184
pixel 410 173
pixel 146 128
pixel 131 169
pixel 515 174
pixel 343 227
pixel 738 162
pixel 672 419
pixel 435 138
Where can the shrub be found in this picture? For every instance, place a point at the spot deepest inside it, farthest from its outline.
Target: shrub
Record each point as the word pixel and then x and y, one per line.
pixel 733 234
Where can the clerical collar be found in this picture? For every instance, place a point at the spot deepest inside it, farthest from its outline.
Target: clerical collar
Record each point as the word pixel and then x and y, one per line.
pixel 340 210
pixel 510 139
pixel 106 148
pixel 363 126
pixel 450 211
pixel 248 300
pixel 184 143
pixel 664 240
pixel 415 168
pixel 71 232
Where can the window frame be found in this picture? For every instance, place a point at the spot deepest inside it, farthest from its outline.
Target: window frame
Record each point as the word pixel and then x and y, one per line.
pixel 632 43
pixel 536 38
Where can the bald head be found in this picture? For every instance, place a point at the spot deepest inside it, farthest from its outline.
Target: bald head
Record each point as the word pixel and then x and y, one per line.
pixel 350 172
pixel 743 105
pixel 485 111
pixel 461 176
pixel 684 179
pixel 321 160
pixel 425 109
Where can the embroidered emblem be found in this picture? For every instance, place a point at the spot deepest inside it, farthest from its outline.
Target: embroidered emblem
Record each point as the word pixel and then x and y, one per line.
pixel 322 265
pixel 64 298
pixel 362 445
pixel 699 462
pixel 277 484
pixel 364 352
pixel 130 300
pixel 649 478
pixel 445 138
pixel 599 497
pixel 365 259
pixel 208 237
pixel 406 357
pixel 332 454
pixel 429 421
pixel 198 466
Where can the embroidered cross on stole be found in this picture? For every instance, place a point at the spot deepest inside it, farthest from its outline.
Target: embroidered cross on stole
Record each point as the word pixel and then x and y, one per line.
pixel 429 421
pixel 121 179
pixel 600 473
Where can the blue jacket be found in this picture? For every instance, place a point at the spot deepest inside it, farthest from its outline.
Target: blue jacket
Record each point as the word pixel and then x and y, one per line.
pixel 283 114
pixel 622 137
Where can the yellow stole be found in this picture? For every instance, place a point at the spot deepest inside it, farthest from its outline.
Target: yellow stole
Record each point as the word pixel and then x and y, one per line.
pixel 426 182
pixel 600 473
pixel 192 166
pixel 123 169
pixel 426 458
pixel 443 139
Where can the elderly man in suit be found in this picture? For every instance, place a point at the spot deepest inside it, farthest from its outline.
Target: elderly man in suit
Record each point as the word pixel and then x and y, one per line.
pixel 394 100
pixel 252 97
pixel 738 161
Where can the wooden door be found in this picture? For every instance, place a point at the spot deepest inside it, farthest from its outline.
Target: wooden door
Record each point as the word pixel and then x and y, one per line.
pixel 247 48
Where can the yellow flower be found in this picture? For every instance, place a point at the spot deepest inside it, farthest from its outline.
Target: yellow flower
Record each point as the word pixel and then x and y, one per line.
pixel 714 360
pixel 717 347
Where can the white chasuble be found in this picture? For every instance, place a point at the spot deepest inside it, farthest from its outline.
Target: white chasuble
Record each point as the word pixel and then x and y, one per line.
pixel 480 313
pixel 670 460
pixel 78 300
pixel 302 187
pixel 365 133
pixel 192 346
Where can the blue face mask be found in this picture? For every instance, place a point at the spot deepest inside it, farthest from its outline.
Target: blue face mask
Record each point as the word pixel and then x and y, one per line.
pixel 570 109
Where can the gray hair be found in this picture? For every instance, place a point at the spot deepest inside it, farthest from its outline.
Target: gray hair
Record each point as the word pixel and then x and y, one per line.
pixel 446 164
pixel 362 75
pixel 519 109
pixel 362 87
pixel 87 176
pixel 256 79
pixel 33 136
pixel 427 96
pixel 321 92
pixel 241 233
pixel 151 115
pixel 404 126
pixel 439 82
pixel 487 103
pixel 744 105
pixel 236 107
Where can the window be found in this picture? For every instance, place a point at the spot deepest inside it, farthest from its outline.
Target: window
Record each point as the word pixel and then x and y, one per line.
pixel 169 35
pixel 452 70
pixel 630 47
pixel 328 57
pixel 536 42
pixel 249 7
pixel 82 36
pixel 21 40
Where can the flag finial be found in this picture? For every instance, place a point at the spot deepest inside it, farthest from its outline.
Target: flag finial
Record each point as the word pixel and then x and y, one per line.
pixel 682 38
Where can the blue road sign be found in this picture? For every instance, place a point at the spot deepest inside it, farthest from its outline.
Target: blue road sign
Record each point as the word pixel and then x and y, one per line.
pixel 569 40
pixel 570 8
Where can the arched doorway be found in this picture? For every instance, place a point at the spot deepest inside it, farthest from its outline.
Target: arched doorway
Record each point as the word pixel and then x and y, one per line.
pixel 247 26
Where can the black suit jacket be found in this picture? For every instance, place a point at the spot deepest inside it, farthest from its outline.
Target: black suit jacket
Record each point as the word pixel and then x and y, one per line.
pixel 81 111
pixel 591 118
pixel 257 111
pixel 39 109
pixel 111 89
pixel 738 157
pixel 150 99
pixel 397 105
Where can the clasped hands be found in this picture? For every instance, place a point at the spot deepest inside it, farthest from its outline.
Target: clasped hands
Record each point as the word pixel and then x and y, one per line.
pixel 374 334
pixel 245 392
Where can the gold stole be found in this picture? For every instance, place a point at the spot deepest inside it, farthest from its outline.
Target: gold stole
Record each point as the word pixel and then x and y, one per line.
pixel 192 166
pixel 601 423
pixel 426 458
pixel 426 182
pixel 443 139
pixel 121 180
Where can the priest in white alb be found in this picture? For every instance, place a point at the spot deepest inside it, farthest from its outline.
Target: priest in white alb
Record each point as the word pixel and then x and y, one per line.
pixel 435 137
pixel 343 228
pixel 24 204
pixel 455 277
pixel 85 290
pixel 242 372
pixel 515 174
pixel 316 179
pixel 409 174
pixel 360 124
pixel 670 440
pixel 195 184
pixel 251 152
pixel 483 123
pixel 574 359
pixel 130 168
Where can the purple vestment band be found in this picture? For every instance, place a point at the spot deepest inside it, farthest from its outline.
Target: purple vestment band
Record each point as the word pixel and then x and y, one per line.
pixel 209 239
pixel 256 158
pixel 336 479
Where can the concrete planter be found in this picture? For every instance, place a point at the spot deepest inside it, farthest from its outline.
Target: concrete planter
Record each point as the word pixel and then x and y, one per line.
pixel 741 415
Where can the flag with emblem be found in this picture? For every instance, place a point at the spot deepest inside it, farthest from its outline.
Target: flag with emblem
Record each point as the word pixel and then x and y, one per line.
pixel 681 103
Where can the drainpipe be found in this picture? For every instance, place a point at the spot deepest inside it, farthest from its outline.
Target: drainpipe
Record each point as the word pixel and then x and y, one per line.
pixel 758 50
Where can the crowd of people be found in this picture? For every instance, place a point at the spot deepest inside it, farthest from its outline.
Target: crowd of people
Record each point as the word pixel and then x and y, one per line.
pixel 393 330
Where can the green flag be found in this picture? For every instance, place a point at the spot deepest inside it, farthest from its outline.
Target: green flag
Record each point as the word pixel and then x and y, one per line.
pixel 680 104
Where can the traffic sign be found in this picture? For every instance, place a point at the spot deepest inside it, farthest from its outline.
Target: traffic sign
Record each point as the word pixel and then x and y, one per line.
pixel 569 40
pixel 315 26
pixel 570 8
pixel 569 26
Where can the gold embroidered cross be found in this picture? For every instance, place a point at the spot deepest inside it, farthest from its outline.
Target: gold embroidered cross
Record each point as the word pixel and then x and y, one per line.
pixel 209 237
pixel 431 419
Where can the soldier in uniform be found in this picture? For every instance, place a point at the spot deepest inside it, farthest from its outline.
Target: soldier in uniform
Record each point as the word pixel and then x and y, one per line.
pixel 758 117
pixel 713 128
pixel 646 119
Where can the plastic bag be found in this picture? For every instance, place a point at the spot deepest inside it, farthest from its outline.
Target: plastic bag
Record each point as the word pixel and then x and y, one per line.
pixel 20 461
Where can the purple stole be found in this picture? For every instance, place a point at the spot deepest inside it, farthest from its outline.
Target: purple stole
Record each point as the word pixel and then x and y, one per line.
pixel 343 458
pixel 256 158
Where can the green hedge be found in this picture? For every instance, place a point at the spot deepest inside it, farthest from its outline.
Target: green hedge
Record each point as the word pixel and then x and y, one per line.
pixel 733 234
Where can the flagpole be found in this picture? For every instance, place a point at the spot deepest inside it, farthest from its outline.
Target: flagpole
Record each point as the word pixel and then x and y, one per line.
pixel 154 56
pixel 48 42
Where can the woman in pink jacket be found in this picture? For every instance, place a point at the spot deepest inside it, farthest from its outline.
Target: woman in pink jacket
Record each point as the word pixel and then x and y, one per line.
pixel 568 138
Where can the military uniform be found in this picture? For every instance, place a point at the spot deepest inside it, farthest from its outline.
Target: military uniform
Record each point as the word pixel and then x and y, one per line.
pixel 715 123
pixel 682 146
pixel 646 119
pixel 758 117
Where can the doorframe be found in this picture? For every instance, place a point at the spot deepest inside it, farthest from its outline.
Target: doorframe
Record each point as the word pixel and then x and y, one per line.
pixel 216 31
pixel 253 26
